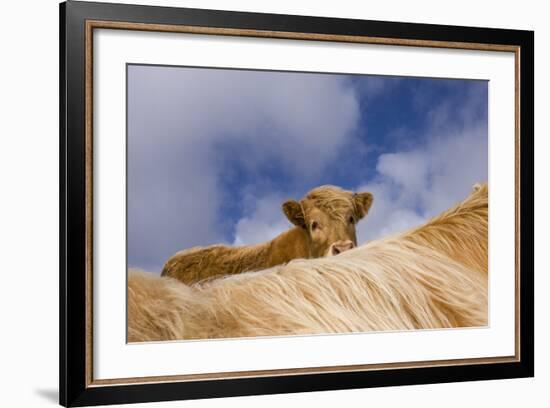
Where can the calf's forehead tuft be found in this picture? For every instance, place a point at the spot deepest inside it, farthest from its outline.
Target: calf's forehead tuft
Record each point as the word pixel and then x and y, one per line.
pixel 334 201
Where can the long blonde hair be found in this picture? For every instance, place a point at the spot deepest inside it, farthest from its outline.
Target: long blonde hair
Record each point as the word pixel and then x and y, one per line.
pixel 434 276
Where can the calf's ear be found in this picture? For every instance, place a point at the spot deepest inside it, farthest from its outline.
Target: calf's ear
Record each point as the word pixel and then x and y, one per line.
pixel 294 213
pixel 362 201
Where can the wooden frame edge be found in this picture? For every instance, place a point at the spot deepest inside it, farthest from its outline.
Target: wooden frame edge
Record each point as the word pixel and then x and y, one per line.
pixel 290 35
pixel 102 24
pixel 231 375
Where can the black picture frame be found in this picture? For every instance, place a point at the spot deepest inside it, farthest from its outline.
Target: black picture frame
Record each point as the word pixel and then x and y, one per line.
pixel 75 387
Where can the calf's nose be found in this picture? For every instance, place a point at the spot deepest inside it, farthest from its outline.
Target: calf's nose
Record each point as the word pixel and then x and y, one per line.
pixel 341 246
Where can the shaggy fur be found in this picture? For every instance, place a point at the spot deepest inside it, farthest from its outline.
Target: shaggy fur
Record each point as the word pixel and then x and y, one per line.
pixel 459 231
pixel 334 212
pixel 434 276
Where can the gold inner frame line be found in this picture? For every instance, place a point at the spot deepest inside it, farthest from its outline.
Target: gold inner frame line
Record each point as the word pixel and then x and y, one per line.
pixel 96 24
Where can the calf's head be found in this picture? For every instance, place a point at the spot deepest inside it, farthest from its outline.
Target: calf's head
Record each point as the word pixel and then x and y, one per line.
pixel 328 215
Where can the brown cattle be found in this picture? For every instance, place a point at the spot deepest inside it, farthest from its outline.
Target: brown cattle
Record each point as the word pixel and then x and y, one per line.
pixel 324 225
pixel 433 276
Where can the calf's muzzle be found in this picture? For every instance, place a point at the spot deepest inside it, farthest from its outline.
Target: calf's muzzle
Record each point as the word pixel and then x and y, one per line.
pixel 341 246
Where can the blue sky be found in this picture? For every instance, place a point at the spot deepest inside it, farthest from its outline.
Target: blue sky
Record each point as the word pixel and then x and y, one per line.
pixel 213 153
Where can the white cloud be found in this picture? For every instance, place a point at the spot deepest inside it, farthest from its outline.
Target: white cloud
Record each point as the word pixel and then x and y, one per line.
pixel 389 213
pixel 407 170
pixel 264 221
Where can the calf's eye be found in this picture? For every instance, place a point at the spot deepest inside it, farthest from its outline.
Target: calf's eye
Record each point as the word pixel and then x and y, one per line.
pixel 351 220
pixel 314 225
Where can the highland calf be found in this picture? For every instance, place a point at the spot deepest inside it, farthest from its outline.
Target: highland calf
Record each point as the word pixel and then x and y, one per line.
pixel 324 225
pixel 433 276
